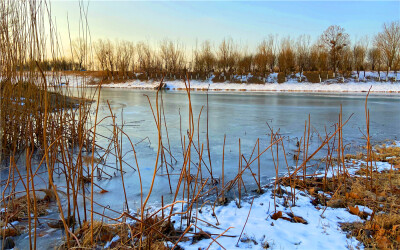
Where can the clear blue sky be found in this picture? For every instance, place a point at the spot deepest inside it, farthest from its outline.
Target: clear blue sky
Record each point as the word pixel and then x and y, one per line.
pixel 245 22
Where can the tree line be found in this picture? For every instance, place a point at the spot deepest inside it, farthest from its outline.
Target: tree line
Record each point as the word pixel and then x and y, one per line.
pixel 332 51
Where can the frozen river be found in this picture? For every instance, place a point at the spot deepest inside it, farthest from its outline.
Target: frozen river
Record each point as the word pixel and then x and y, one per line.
pixel 247 116
pixel 238 115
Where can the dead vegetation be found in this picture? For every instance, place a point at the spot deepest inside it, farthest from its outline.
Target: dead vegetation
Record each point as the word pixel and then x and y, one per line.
pixel 387 153
pixel 144 230
pixel 380 228
pixel 19 208
pixel 330 56
pixel 67 140
pixel 153 233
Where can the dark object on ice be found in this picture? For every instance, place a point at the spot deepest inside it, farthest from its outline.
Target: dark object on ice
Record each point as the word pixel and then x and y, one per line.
pixel 265 245
pixel 200 236
pixel 9 243
pixel 160 86
pixel 70 221
pixel 222 200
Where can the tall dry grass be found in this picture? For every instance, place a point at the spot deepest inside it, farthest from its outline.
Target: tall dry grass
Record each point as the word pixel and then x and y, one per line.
pixel 40 119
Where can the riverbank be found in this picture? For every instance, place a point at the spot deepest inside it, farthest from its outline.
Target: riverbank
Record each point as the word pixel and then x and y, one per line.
pixel 270 84
pixel 376 87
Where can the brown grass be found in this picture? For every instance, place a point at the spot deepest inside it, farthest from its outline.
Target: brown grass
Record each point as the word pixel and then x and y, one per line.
pixel 381 228
pixel 17 209
pixel 66 141
pixel 24 102
pixel 155 233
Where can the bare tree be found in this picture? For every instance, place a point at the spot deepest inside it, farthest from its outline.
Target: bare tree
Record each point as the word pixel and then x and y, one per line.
pixel 198 63
pixel 388 42
pixel 286 57
pixel 132 51
pixel 118 58
pixel 375 59
pixel 319 58
pixel 146 57
pixel 204 58
pixel 124 53
pixel 271 52
pixel 110 57
pixel 314 53
pixel 335 40
pixel 165 55
pixel 332 51
pixel 101 54
pixel 261 57
pixel 303 52
pixel 177 56
pixel 245 61
pixel 208 56
pixel 359 55
pixel 227 54
pixel 172 56
pixel 265 57
pixel 80 49
pixel 347 60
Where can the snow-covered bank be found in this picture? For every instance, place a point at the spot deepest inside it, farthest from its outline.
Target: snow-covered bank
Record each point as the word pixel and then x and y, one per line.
pixel 289 86
pixel 278 87
pixel 322 230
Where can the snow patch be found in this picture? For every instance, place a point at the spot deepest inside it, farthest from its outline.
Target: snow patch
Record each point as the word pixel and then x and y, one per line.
pixel 322 231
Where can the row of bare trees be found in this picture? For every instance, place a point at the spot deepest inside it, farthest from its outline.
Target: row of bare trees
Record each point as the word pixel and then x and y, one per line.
pixel 332 51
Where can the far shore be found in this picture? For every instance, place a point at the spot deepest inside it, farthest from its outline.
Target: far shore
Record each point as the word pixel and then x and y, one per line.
pixel 348 86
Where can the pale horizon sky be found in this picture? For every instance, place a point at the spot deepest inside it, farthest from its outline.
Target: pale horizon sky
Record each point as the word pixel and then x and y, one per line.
pixel 246 22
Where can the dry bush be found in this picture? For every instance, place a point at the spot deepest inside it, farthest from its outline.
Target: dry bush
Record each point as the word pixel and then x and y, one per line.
pixel 281 77
pixel 311 76
pixel 256 80
pixel 380 229
pixel 218 77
